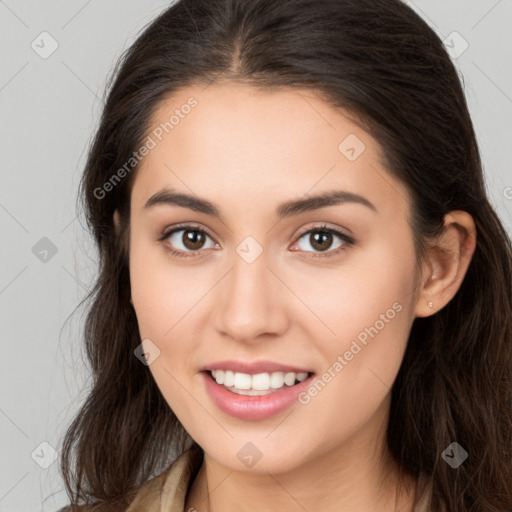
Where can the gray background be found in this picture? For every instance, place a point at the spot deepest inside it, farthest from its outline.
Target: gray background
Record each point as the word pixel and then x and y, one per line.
pixel 50 107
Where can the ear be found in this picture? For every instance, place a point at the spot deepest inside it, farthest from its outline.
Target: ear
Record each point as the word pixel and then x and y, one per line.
pixel 448 262
pixel 117 227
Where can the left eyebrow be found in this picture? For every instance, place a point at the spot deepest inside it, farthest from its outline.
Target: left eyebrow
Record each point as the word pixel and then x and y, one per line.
pixel 289 208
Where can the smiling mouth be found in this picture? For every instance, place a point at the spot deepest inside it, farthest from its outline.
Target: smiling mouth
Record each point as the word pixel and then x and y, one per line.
pixel 256 384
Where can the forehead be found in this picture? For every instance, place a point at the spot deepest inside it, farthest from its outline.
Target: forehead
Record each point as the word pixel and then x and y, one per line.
pixel 234 140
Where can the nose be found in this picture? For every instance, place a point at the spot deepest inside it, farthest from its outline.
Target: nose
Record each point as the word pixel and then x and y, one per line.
pixel 251 301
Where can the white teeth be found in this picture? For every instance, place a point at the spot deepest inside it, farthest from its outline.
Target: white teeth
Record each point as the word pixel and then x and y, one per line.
pixel 219 376
pixel 302 376
pixel 289 379
pixel 260 381
pixel 277 380
pixel 257 384
pixel 242 381
pixel 229 378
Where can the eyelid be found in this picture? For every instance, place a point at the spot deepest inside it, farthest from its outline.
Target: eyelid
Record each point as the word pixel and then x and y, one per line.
pixel 166 232
pixel 322 227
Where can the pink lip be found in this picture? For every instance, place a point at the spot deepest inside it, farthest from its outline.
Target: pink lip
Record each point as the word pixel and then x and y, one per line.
pixel 253 407
pixel 255 367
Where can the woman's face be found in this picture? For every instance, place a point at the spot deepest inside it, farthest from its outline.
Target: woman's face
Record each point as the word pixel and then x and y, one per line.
pixel 267 281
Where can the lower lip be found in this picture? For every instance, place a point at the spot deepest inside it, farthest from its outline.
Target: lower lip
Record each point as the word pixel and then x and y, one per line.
pixel 247 407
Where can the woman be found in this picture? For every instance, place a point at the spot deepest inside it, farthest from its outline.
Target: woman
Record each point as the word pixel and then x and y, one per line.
pixel 304 297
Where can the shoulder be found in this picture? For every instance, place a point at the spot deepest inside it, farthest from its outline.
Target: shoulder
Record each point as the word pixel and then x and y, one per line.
pixel 168 490
pixel 98 507
pixel 171 486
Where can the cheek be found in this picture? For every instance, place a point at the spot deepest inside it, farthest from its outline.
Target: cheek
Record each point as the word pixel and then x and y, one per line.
pixel 368 287
pixel 161 293
pixel 162 296
pixel 167 299
pixel 368 313
pixel 361 363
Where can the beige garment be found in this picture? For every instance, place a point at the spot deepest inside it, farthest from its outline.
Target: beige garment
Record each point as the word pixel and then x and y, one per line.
pixel 167 492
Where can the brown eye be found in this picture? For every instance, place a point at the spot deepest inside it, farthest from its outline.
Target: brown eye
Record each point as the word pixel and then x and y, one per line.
pixel 321 240
pixel 186 240
pixel 193 239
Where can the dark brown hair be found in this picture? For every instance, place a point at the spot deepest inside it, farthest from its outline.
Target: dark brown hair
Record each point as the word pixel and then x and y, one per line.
pixel 380 62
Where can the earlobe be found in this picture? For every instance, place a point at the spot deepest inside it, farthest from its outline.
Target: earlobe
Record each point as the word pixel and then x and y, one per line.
pixel 449 260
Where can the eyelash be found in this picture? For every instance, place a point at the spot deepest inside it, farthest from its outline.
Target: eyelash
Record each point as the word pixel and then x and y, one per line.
pixel 194 254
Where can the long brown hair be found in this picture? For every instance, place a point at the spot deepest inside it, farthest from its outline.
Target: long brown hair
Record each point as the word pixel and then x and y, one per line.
pixel 379 61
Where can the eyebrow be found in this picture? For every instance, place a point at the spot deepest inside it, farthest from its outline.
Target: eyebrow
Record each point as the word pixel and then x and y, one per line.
pixel 289 208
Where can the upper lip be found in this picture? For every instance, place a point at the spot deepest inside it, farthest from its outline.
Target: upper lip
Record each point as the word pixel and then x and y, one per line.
pixel 254 367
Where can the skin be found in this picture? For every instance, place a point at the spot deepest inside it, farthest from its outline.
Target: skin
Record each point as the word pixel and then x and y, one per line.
pixel 248 151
